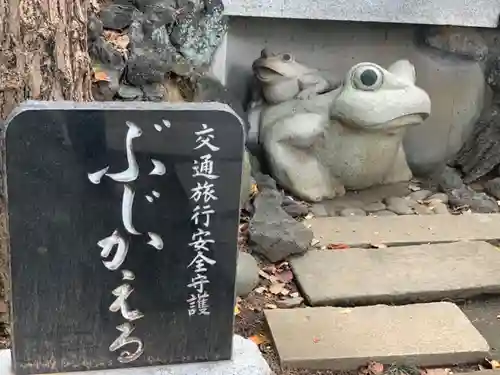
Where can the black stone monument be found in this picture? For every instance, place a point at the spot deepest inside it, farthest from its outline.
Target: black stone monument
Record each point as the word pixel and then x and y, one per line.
pixel 123 224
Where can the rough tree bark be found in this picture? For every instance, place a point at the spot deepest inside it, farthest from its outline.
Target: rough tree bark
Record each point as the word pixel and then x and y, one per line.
pixel 43 56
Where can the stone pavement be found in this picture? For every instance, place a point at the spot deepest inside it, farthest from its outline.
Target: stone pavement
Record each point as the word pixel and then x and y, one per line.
pixel 394 260
pixel 247 360
pixel 431 334
pixel 420 273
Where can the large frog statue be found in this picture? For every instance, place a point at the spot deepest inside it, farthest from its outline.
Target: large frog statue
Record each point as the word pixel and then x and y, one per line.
pixel 317 146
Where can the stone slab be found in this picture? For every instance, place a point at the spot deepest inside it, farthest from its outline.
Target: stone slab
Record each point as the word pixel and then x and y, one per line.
pixel 335 338
pixel 247 360
pixel 421 273
pixel 405 230
pixel 479 13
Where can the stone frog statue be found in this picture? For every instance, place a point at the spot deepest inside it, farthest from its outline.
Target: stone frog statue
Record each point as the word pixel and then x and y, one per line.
pixel 278 78
pixel 347 138
pixel 282 78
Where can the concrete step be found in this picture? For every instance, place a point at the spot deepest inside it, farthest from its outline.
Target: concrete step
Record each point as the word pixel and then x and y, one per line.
pixel 419 273
pixel 433 334
pixel 408 229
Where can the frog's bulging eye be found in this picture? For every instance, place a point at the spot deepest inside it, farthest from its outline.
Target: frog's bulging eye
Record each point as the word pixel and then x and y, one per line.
pixel 287 57
pixel 367 78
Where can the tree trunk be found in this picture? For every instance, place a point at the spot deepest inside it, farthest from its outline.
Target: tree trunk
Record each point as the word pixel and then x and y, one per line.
pixel 480 155
pixel 43 56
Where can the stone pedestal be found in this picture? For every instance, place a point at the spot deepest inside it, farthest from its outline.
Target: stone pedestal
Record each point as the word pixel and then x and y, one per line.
pixel 247 360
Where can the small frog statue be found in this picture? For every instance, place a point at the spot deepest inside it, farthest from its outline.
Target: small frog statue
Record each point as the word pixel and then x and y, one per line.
pixel 282 78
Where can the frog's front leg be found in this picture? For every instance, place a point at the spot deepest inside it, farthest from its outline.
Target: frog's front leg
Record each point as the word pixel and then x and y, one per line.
pixel 290 146
pixel 400 171
pixel 312 84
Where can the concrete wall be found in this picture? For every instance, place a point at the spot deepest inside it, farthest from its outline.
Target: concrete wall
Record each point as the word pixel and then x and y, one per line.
pixel 456 86
pixel 478 13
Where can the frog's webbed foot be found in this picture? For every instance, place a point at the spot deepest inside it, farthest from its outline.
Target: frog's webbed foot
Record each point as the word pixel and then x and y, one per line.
pixel 307 94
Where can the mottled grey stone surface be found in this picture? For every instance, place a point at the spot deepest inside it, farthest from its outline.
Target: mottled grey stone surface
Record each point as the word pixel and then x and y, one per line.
pixel 333 338
pixel 399 274
pixel 247 274
pixel 247 360
pixel 480 13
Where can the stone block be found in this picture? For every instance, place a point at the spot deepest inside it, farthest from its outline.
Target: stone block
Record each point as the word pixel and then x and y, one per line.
pixel 247 360
pixel 433 334
pixel 419 273
pixel 457 91
pixel 357 231
pixel 481 13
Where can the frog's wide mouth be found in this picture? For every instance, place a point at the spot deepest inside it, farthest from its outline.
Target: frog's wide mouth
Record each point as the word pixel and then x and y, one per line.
pixel 265 74
pixel 407 120
pixel 392 125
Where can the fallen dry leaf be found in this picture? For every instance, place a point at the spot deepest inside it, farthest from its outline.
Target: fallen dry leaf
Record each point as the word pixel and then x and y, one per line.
pixel 260 289
pixel 285 292
pixel 254 190
pixel 264 275
pixel 271 269
pixel 270 306
pixel 375 368
pixel 495 365
pixel 283 266
pixel 372 368
pixel 122 41
pixel 276 288
pixel 118 40
pixel 285 276
pixel 438 371
pixel 259 339
pixel 337 246
pixel 236 309
pixel 100 76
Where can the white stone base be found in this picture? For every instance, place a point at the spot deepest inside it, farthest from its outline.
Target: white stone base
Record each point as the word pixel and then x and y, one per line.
pixel 247 360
